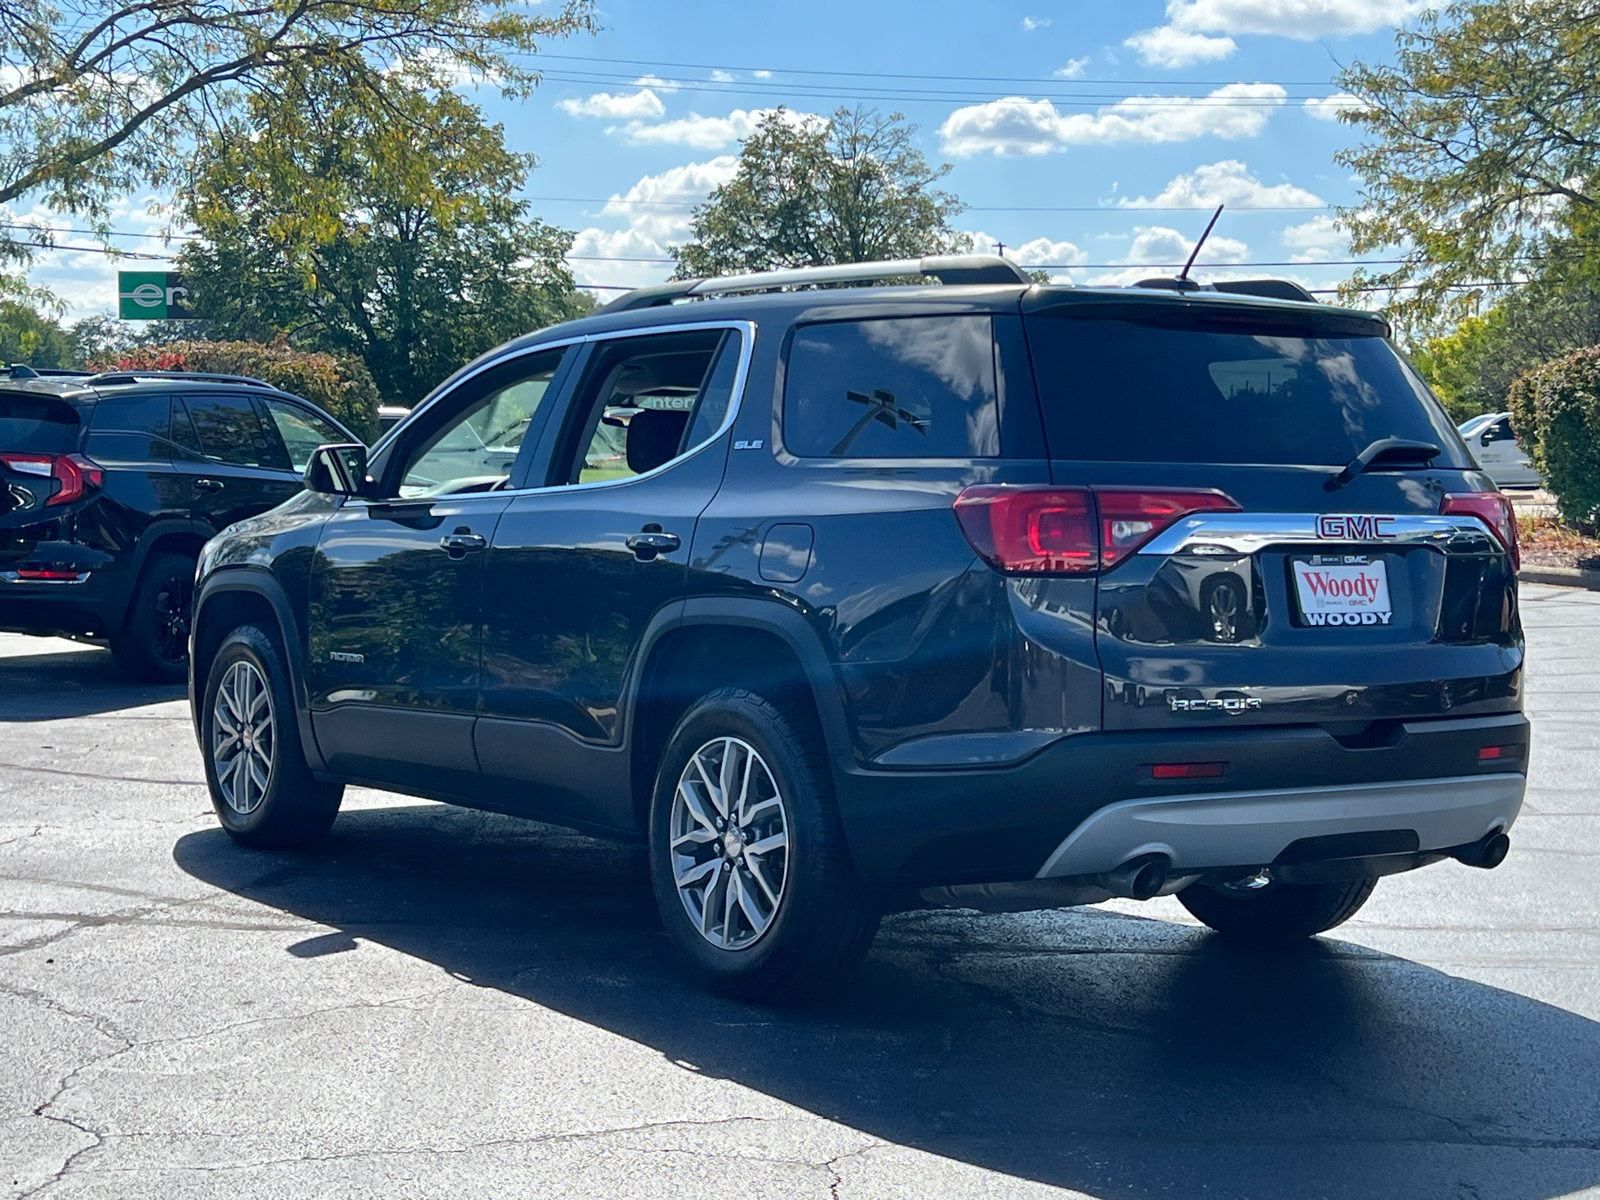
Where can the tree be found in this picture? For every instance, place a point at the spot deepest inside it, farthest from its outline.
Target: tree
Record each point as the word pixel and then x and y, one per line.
pixel 380 225
pixel 99 97
pixel 811 191
pixel 1482 161
pixel 28 335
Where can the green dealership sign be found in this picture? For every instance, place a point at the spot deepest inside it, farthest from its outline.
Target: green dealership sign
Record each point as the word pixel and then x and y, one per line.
pixel 152 296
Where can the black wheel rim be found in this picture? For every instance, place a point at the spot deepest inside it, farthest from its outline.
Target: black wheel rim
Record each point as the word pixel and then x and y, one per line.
pixel 170 620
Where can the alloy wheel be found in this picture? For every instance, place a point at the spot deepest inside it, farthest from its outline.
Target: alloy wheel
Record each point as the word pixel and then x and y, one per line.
pixel 729 843
pixel 170 620
pixel 244 740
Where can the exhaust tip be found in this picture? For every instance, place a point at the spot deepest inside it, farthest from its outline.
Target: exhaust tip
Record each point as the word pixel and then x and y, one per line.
pixel 1487 852
pixel 1139 878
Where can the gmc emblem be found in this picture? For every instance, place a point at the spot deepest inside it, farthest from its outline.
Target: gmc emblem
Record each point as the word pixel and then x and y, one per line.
pixel 1349 528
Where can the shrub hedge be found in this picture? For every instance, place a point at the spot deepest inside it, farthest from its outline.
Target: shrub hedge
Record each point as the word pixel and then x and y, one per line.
pixel 340 386
pixel 1555 410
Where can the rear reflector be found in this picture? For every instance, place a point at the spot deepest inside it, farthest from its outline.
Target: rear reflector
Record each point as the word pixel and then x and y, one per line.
pixel 1037 530
pixel 75 472
pixel 1500 754
pixel 1211 770
pixel 48 574
pixel 1495 511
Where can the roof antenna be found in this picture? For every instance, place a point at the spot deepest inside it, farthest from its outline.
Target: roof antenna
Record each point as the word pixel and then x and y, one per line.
pixel 1183 275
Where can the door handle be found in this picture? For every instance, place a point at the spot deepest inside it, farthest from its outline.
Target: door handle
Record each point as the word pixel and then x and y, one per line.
pixel 651 542
pixel 208 485
pixel 456 545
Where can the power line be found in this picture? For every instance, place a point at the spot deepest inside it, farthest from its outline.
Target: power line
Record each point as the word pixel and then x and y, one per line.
pixel 1082 208
pixel 93 250
pixel 1056 79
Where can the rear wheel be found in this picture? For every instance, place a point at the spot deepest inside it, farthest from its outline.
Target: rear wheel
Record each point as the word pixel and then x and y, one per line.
pixel 264 793
pixel 153 644
pixel 1277 912
pixel 747 856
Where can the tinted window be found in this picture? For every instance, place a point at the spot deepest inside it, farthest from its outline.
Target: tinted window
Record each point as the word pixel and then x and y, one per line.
pixel 922 387
pixel 644 401
pixel 230 431
pixel 302 431
pixel 38 424
pixel 149 415
pixel 183 434
pixel 479 443
pixel 1121 391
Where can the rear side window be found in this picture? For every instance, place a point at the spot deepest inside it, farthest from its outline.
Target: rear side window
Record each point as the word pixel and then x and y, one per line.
pixel 231 431
pixel 916 387
pixel 38 424
pixel 1122 391
pixel 302 431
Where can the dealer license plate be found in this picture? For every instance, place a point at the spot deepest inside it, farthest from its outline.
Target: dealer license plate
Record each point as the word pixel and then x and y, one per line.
pixel 1342 590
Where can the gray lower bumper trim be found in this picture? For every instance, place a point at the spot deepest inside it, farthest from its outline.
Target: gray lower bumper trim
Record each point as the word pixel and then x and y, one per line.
pixel 1228 829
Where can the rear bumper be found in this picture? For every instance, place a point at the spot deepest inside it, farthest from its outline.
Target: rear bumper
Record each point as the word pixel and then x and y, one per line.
pixel 93 608
pixel 1088 803
pixel 1250 829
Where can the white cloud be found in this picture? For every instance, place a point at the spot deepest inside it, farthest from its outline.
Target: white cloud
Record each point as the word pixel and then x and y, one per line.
pixel 1328 108
pixel 1164 251
pixel 1074 68
pixel 1038 252
pixel 658 83
pixel 83 280
pixel 1303 20
pixel 762 74
pixel 1165 46
pixel 1317 240
pixel 1029 24
pixel 1225 182
pixel 718 75
pixel 703 133
pixel 643 103
pixel 657 214
pixel 1016 125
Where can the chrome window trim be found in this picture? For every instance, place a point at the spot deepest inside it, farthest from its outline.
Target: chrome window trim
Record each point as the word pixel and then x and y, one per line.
pixel 1246 533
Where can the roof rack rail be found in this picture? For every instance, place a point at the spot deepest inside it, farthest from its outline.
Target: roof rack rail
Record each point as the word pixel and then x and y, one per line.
pixel 1276 289
pixel 106 377
pixel 946 268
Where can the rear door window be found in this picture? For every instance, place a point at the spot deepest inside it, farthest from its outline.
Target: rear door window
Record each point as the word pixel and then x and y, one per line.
pixel 37 424
pixel 916 387
pixel 231 431
pixel 1125 391
pixel 131 429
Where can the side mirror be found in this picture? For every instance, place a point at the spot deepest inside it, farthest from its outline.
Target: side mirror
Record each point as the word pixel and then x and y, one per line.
pixel 338 470
pixel 1488 436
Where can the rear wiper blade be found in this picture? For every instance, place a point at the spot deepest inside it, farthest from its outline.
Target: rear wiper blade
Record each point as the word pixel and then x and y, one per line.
pixel 1383 452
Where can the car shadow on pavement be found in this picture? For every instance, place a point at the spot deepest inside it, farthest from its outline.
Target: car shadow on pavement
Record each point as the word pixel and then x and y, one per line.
pixel 53 686
pixel 1084 1049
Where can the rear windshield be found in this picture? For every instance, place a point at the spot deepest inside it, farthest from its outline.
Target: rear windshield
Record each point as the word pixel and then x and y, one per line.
pixel 1123 391
pixel 39 424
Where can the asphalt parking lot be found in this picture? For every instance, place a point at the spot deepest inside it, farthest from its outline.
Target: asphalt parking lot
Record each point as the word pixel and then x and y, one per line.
pixel 438 1003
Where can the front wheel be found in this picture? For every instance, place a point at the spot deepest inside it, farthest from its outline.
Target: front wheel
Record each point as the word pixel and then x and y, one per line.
pixel 1277 912
pixel 264 793
pixel 747 856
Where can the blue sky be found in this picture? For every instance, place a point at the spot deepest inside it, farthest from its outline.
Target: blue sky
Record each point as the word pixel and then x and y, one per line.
pixel 1119 125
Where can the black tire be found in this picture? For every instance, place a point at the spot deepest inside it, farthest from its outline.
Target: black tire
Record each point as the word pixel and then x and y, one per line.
pixel 153 644
pixel 823 919
pixel 282 807
pixel 1278 913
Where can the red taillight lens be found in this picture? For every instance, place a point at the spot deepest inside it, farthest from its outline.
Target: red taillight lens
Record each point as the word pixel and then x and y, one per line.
pixel 1495 511
pixel 75 472
pixel 49 574
pixel 1030 530
pixel 1499 753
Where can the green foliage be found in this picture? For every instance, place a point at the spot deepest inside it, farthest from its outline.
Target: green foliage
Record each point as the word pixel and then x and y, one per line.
pixel 813 192
pixel 376 225
pixel 1473 368
pixel 99 94
pixel 27 336
pixel 1482 155
pixel 1557 416
pixel 339 386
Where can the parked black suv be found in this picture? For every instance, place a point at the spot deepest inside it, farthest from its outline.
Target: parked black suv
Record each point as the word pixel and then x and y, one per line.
pixel 109 486
pixel 983 594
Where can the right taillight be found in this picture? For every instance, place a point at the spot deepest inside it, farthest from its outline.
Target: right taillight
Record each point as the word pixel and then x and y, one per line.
pixel 1036 530
pixel 1494 510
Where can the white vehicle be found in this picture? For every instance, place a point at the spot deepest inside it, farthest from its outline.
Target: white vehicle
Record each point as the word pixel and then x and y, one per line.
pixel 1498 452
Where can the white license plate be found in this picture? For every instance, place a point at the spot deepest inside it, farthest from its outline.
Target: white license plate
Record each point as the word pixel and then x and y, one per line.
pixel 1340 593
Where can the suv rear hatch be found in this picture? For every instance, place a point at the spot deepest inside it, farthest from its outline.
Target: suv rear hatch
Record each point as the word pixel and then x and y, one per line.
pixel 43 479
pixel 1305 587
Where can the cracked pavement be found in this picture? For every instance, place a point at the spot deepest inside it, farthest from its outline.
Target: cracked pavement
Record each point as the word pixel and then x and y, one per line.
pixel 439 1003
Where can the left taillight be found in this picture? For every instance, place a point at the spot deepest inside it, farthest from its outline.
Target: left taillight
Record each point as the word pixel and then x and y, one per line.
pixel 1494 510
pixel 75 473
pixel 1036 530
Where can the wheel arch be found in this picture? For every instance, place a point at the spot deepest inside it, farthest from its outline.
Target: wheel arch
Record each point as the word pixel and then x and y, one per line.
pixel 235 596
pixel 719 642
